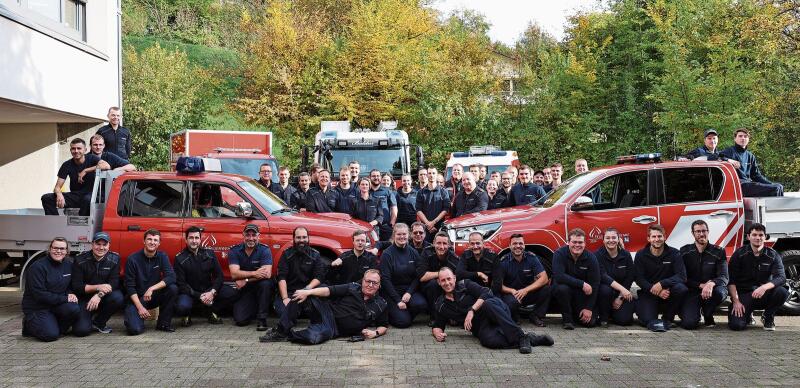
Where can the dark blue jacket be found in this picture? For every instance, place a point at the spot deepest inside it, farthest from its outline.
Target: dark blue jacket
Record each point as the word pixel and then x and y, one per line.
pixel 142 272
pixel 117 142
pixel 352 268
pixel 432 202
pixel 618 269
pixel 298 268
pixel 473 202
pixel 388 202
pixel 284 194
pixel 465 294
pixel 749 271
pixel 297 200
pixel 430 261
pixel 113 160
pixel 398 272
pixel 517 274
pixel 499 201
pixel 748 171
pixel 668 268
pixel 367 210
pixel 574 273
pixel 318 201
pixel 198 273
pixel 406 206
pixel 47 283
pixel 469 266
pixel 704 151
pixel 88 271
pixel 271 186
pixel 712 265
pixel 345 198
pixel 524 194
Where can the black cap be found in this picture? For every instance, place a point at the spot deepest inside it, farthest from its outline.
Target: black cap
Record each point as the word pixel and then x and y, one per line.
pixel 101 236
pixel 710 131
pixel 251 227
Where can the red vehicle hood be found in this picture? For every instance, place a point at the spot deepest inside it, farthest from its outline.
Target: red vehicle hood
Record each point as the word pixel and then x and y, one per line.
pixel 323 219
pixel 497 215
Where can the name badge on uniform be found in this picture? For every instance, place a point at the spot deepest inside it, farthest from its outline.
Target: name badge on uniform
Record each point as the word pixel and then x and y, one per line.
pixel 622 266
pixel 157 267
pixel 666 262
pixel 583 268
pixel 66 274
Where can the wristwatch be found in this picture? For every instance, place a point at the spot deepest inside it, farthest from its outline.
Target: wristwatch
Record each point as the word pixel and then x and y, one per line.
pixel 101 294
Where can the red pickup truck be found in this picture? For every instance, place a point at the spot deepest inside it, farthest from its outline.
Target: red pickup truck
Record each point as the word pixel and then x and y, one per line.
pixel 633 195
pixel 127 205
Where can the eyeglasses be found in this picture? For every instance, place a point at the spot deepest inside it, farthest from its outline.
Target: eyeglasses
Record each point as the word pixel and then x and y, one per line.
pixel 703 231
pixel 418 232
pixel 371 282
pixel 266 172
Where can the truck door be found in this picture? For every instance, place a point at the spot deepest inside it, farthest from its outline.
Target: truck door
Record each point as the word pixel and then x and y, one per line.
pixel 152 204
pixel 624 202
pixel 696 193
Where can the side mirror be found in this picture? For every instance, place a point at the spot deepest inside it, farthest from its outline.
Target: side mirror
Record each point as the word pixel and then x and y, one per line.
pixel 328 155
pixel 304 155
pixel 420 156
pixel 582 203
pixel 244 209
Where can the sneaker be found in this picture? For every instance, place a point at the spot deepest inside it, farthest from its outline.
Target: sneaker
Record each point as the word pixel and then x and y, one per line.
pixel 541 340
pixel 273 336
pixel 536 321
pixel 186 321
pixel 671 324
pixel 708 322
pixel 568 326
pixel 165 328
pixel 751 322
pixel 101 329
pixel 262 325
pixel 603 324
pixel 525 344
pixel 214 319
pixel 769 323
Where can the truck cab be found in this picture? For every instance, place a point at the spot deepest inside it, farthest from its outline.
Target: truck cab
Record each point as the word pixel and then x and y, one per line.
pixel 386 148
pixel 239 152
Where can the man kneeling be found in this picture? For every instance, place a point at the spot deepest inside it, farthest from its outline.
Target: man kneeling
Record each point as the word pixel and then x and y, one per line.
pixel 483 314
pixel 353 308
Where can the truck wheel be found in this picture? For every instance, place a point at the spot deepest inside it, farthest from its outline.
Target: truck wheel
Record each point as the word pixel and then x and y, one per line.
pixel 32 256
pixel 791 264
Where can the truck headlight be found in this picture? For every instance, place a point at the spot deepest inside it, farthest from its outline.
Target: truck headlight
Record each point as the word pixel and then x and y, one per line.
pixel 462 234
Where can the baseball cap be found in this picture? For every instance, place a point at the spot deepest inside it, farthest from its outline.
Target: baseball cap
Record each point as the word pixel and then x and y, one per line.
pixel 710 131
pixel 101 236
pixel 251 227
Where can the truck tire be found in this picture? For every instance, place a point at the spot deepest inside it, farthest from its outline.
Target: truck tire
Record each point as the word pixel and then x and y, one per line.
pixel 32 256
pixel 791 264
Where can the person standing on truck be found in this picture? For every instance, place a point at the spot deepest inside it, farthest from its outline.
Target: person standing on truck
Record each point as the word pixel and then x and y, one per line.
pixel 95 280
pixel 470 199
pixel 350 310
pixel 521 280
pixel 757 280
pixel 389 205
pixel 433 203
pixel 81 171
pixel 322 198
pixel 117 138
pixel 422 178
pixel 265 178
pixel 708 149
pixel 576 281
pixel 284 190
pixel 474 307
pixel 661 275
pixel 298 199
pixel 366 207
pixel 525 192
pixel 199 278
pixel 345 190
pixel 48 304
pixel 300 267
pixel 453 185
pixel 250 265
pixel 497 198
pixel 150 282
pixel 351 265
pixel 399 280
pixel 615 300
pixel 754 184
pixel 706 277
pixel 98 145
pixel 477 263
pixel 433 259
pixel 406 201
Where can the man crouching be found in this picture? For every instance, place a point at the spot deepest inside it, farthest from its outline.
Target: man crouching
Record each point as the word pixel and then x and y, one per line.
pixel 483 314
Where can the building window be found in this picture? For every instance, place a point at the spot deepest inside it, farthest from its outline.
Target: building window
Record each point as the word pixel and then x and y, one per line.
pixel 65 16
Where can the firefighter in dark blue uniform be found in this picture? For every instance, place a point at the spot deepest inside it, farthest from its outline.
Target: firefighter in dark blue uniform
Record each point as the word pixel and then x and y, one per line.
pixel 265 179
pixel 480 312
pixel 525 192
pixel 661 274
pixel 298 199
pixel 81 172
pixel 366 207
pixel 284 190
pixel 346 190
pixel 300 267
pixel 433 259
pixel 350 267
pixel 200 280
pixel 349 309
pixel 497 198
pixel 706 277
pixel 322 199
pixel 399 280
pixel 433 204
pixel 754 184
pixel 95 280
pixel 150 281
pixel 406 201
pixel 521 280
pixel 471 199
pixel 576 281
pixel 709 148
pixel 477 263
pixel 615 300
pixel 757 280
pixel 117 138
pixel 250 265
pixel 388 204
pixel 48 303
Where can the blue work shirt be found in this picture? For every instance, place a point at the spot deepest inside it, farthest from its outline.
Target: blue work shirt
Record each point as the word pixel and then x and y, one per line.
pixel 47 283
pixel 517 274
pixel 524 194
pixel 142 272
pixel 260 257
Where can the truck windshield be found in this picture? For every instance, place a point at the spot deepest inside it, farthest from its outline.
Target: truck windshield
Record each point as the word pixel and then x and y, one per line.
pixel 568 187
pixel 489 170
pixel 385 160
pixel 268 201
pixel 248 167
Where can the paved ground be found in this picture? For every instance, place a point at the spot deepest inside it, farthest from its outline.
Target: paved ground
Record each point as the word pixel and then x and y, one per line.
pixel 230 356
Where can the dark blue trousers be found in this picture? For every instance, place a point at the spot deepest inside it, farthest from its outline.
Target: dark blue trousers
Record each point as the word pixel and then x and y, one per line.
pixel 694 305
pixel 321 328
pixel 540 298
pixel 110 304
pixel 71 200
pixel 225 298
pixel 253 302
pixel 648 306
pixel 770 302
pixel 431 291
pixel 494 326
pixel 164 299
pixel 756 189
pixel 622 316
pixel 403 318
pixel 48 325
pixel 571 301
